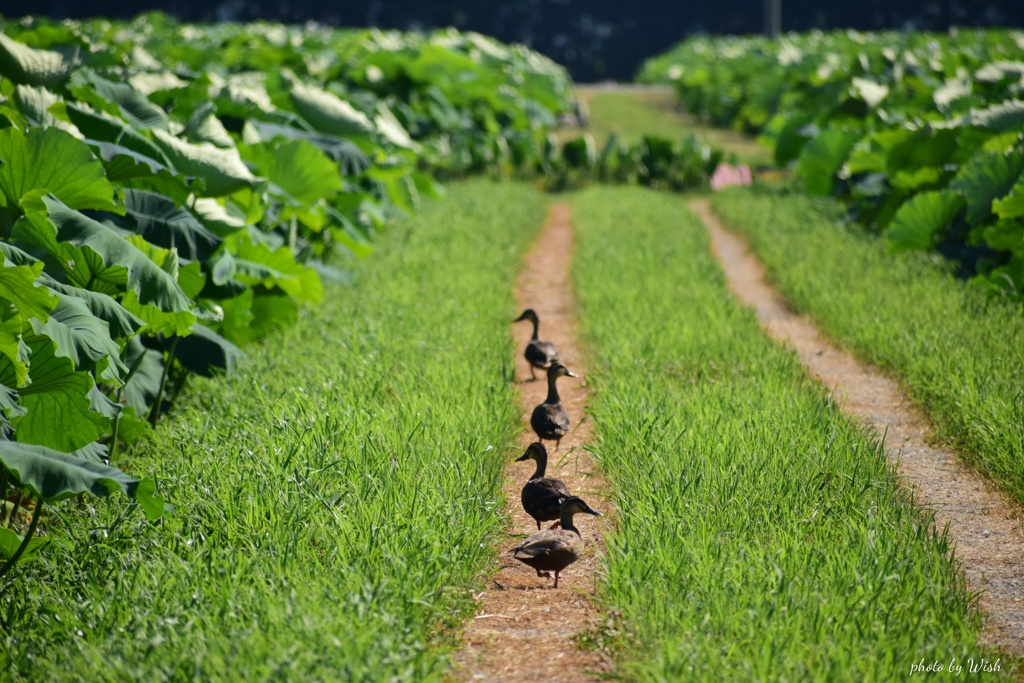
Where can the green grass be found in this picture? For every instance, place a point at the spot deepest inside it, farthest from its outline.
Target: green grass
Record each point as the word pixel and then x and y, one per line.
pixel 762 535
pixel 960 355
pixel 336 499
pixel 631 114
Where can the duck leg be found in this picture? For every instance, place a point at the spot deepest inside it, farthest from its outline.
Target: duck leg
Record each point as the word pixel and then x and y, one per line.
pixel 556 579
pixel 553 526
pixel 533 375
pixel 543 575
pixel 558 443
pixel 538 525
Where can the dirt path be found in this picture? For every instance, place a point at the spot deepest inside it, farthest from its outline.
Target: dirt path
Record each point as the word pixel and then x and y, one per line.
pixel 982 522
pixel 524 630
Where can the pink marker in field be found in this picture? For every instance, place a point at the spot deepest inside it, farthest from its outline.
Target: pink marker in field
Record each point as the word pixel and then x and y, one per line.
pixel 726 175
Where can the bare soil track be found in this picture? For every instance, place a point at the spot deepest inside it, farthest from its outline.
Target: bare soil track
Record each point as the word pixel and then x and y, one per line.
pixel 524 630
pixel 984 524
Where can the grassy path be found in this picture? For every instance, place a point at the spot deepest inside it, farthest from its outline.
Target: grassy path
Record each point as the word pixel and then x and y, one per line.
pixel 959 354
pixel 523 629
pixel 336 499
pixel 763 536
pixel 988 539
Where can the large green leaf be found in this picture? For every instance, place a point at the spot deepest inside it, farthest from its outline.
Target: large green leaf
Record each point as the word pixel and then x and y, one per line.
pixel 327 112
pixel 160 222
pixel 922 218
pixel 18 285
pixel 350 159
pixel 118 98
pixel 35 104
pixel 297 167
pixel 1005 116
pixel 257 264
pixel 52 161
pixel 120 321
pixel 54 475
pixel 985 178
pixel 142 388
pixel 10 541
pixel 15 353
pixel 204 126
pixel 821 159
pixel 1005 236
pixel 105 128
pixel 205 352
pixel 81 336
pixel 221 169
pixel 23 64
pixel 99 259
pixel 58 411
pixel 1012 205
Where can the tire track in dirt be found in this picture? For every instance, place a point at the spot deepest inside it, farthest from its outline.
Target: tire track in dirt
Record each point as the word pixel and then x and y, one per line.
pixel 981 520
pixel 524 630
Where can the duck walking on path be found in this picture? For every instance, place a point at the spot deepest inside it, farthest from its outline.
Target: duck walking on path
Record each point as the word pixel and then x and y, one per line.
pixel 539 353
pixel 542 496
pixel 552 550
pixel 550 419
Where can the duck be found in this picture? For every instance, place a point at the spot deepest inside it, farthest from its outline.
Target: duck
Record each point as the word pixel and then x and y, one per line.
pixel 552 550
pixel 550 419
pixel 542 496
pixel 539 353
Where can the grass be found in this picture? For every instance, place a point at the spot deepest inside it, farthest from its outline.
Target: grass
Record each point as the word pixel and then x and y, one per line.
pixel 762 534
pixel 634 113
pixel 959 354
pixel 336 499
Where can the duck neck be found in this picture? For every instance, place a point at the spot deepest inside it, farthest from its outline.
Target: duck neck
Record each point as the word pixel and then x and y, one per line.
pixel 542 466
pixel 552 389
pixel 536 329
pixel 568 525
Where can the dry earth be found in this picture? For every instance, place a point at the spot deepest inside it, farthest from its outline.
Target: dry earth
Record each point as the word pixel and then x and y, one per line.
pixel 983 522
pixel 523 629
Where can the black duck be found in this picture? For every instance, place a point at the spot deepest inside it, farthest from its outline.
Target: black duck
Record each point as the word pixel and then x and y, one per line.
pixel 550 419
pixel 552 550
pixel 539 353
pixel 542 496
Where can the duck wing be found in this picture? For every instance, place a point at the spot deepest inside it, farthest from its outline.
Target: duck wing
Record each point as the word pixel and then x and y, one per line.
pixel 541 353
pixel 550 550
pixel 550 421
pixel 542 498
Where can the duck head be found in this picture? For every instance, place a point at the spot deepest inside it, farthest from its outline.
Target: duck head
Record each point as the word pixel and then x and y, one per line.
pixel 528 314
pixel 535 451
pixel 559 370
pixel 575 505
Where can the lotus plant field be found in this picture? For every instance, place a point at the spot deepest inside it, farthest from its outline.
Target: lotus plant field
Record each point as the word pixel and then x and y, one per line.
pixel 171 193
pixel 920 134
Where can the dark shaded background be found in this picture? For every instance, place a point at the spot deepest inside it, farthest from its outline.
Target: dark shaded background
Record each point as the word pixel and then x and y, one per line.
pixel 596 39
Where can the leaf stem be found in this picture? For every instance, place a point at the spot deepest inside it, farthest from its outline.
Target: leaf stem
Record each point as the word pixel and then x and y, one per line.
pixel 155 410
pixel 117 420
pixel 14 508
pixel 25 541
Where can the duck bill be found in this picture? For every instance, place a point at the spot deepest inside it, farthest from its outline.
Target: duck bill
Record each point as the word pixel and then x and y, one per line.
pixel 520 318
pixel 592 511
pixel 570 373
pixel 524 456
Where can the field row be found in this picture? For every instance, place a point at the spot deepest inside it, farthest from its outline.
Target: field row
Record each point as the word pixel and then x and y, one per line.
pixel 338 499
pixel 763 536
pixel 335 500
